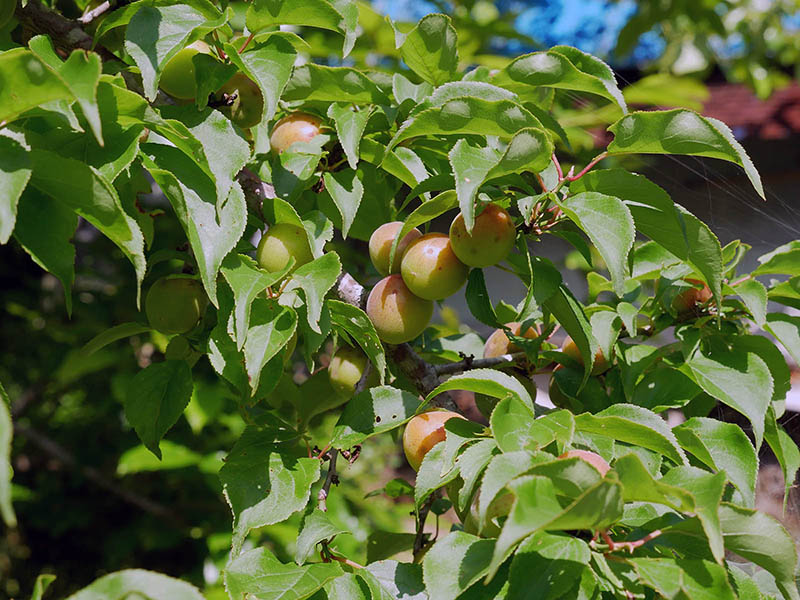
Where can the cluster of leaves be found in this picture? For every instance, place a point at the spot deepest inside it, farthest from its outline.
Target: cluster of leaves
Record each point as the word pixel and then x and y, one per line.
pixel 412 145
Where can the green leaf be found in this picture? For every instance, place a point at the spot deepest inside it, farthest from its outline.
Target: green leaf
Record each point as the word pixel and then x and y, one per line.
pixel 6 472
pixel 634 425
pixel 81 74
pixel 569 313
pixel 664 222
pixel 786 292
pixel 384 544
pixel 722 447
pixel 783 260
pixel 45 228
pixel 489 382
pixel 259 574
pixel 137 582
pixel 246 280
pixel 212 232
pixel 356 322
pixel 478 300
pixel 563 68
pixel 454 563
pixel 316 279
pixel 467 115
pixel 758 537
pixel 400 580
pixel 499 472
pixel 431 49
pixel 473 462
pixel 754 295
pixel 15 171
pixel 680 131
pixel 320 83
pixel 373 411
pixel 157 33
pixel 546 566
pixel 27 83
pixel 609 224
pixel 426 212
pixel 684 578
pixel 350 125
pixel 173 456
pixel 529 150
pixel 43 582
pixel 316 527
pixel 786 329
pixel 739 379
pixel 269 64
pixel 263 483
pixel 347 586
pixel 512 425
pixel 156 398
pixel 785 450
pixel 91 197
pixel 269 330
pixel 333 16
pixel 432 474
pixel 346 191
pixel 537 508
pixel 225 150
pixel 117 332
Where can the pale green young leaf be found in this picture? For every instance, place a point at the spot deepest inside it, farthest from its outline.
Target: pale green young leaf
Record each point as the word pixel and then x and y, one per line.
pixel 43 582
pixel 173 456
pixel 316 279
pixel 473 462
pixel 784 260
pixel 15 171
pixel 786 329
pixel 27 83
pixel 138 582
pixel 454 563
pixel 680 131
pixel 373 411
pixel 259 574
pixel 321 83
pixel 513 426
pixel 269 330
pixel 754 295
pixel 156 398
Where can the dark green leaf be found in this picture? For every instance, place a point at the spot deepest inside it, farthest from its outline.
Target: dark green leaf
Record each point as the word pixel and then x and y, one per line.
pixel 371 412
pixel 454 563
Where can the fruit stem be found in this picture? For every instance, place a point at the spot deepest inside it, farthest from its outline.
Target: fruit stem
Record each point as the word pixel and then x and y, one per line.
pixel 246 43
pixel 558 167
pixel 588 167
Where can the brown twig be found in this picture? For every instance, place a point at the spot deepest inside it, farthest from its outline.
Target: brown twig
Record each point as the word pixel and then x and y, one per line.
pixel 478 363
pixel 57 451
pixel 422 516
pixel 331 478
pixel 246 43
pixel 629 546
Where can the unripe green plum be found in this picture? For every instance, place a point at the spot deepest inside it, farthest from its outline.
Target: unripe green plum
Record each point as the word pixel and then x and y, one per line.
pixel 431 269
pixel 177 78
pixel 246 101
pixel 175 304
pixel 571 349
pixel 491 240
pixel 279 244
pixel 297 127
pixel 346 369
pixel 597 461
pixel 397 314
pixel 498 343
pixel 423 432
pixel 688 300
pixel 380 246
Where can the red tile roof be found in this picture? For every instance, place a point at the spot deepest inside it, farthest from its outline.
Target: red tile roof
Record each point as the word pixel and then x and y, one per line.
pixel 748 116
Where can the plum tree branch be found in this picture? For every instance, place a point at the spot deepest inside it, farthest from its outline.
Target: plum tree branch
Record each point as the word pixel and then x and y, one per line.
pixel 478 363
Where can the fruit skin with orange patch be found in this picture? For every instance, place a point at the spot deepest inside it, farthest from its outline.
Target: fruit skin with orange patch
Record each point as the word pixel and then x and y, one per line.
pixel 498 343
pixel 601 365
pixel 380 246
pixel 687 301
pixel 423 432
pixel 296 127
pixel 430 268
pixel 597 461
pixel 492 237
pixel 397 314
